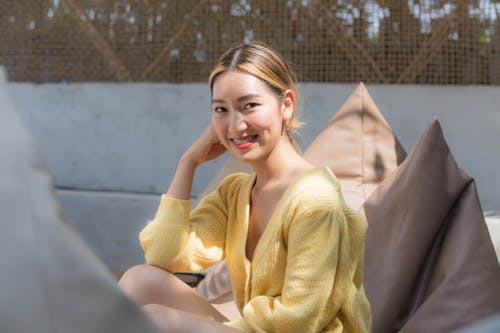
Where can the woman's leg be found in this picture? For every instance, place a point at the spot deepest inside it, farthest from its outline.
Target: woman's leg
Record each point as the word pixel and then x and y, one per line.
pixel 146 284
pixel 171 320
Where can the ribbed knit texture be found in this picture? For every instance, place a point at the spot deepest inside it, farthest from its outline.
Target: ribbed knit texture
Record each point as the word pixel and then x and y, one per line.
pixel 307 271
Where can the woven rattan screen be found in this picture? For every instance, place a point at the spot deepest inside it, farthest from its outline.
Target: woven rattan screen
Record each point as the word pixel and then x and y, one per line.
pixel 391 41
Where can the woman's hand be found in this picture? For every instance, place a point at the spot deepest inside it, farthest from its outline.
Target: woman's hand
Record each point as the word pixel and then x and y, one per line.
pixel 207 147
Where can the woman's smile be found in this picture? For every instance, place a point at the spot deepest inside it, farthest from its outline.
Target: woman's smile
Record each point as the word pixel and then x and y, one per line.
pixel 244 141
pixel 247 116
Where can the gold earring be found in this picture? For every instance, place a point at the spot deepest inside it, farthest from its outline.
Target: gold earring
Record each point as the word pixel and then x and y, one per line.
pixel 285 127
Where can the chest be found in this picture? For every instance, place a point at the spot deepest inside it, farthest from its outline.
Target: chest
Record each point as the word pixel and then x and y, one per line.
pixel 262 207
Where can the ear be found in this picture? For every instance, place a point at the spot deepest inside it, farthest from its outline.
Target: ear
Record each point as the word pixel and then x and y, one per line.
pixel 287 105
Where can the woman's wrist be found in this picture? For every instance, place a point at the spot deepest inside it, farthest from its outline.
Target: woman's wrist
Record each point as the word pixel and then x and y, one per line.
pixel 186 161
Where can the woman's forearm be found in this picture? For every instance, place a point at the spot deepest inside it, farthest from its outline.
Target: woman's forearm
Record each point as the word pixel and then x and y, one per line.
pixel 182 183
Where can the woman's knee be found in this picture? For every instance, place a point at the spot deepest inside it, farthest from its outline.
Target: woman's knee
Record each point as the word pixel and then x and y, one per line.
pixel 143 283
pixel 147 284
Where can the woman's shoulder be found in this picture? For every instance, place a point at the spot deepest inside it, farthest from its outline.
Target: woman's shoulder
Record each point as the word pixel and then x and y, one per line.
pixel 317 193
pixel 316 185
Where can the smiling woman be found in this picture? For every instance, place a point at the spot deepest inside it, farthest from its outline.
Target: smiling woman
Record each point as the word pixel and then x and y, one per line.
pixel 294 249
pixel 248 118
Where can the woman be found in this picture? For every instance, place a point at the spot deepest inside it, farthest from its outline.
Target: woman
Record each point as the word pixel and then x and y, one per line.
pixel 294 250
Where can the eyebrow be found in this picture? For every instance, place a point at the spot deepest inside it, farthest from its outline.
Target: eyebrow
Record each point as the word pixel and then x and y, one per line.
pixel 239 99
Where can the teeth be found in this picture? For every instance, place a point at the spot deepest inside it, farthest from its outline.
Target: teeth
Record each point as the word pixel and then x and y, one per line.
pixel 245 140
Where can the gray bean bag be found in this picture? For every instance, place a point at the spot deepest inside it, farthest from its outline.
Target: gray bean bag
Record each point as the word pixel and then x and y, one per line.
pixel 50 280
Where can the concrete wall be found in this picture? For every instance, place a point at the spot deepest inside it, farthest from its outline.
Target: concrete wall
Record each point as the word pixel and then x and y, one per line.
pixel 110 146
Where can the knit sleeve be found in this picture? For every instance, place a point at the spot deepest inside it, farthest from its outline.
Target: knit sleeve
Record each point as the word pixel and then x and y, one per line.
pixel 315 279
pixel 179 240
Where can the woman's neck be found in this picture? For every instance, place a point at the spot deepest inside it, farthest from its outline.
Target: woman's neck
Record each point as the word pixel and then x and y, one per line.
pixel 280 166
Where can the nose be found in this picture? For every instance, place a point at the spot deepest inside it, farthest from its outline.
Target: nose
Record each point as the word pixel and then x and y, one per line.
pixel 237 122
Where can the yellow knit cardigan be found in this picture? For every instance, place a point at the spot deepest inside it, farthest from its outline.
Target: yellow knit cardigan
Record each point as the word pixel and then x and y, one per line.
pixel 307 270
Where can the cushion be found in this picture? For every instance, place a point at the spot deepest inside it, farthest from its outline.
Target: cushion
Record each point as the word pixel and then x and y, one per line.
pixel 359 146
pixel 430 265
pixel 216 286
pixel 51 281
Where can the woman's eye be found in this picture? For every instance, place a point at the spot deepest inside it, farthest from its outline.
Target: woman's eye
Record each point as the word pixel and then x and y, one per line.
pixel 250 106
pixel 219 109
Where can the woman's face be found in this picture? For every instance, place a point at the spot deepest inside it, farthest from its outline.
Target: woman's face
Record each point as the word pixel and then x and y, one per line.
pixel 247 115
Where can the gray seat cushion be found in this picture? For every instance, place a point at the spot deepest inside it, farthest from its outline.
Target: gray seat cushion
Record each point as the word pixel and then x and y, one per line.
pixel 51 281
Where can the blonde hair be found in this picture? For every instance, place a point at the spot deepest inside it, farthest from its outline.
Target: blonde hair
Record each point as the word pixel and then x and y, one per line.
pixel 264 63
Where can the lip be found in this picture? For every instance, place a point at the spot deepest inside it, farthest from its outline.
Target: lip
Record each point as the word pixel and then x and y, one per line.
pixel 241 142
pixel 244 145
